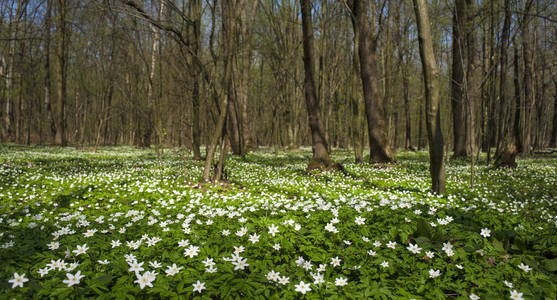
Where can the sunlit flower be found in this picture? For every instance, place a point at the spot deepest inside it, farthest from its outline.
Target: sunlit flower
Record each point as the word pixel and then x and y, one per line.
pixel 18 280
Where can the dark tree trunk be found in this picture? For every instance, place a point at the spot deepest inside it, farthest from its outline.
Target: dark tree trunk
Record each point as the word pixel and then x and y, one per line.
pixel 60 138
pixel 380 150
pixel 529 95
pixel 516 132
pixel 506 145
pixel 47 82
pixel 431 84
pixel 319 142
pixel 553 141
pixel 457 82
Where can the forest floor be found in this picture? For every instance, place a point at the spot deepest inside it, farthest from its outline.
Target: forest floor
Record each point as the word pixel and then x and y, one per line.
pixel 128 223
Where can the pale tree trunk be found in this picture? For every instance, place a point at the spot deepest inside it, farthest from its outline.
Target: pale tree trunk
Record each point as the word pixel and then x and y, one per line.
pixel 150 122
pixel 319 142
pixel 431 84
pixel 380 150
pixel 60 138
pixel 47 82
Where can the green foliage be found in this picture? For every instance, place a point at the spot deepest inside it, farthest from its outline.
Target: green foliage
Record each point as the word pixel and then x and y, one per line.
pixel 367 220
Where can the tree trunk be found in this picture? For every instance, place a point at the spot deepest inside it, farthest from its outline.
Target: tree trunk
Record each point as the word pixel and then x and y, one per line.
pixel 506 145
pixel 457 82
pixel 553 141
pixel 47 83
pixel 431 84
pixel 195 10
pixel 150 122
pixel 380 150
pixel 247 17
pixel 220 130
pixel 516 129
pixel 60 138
pixel 319 143
pixel 529 95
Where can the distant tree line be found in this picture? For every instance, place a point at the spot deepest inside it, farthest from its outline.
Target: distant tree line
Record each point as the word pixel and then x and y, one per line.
pixel 238 74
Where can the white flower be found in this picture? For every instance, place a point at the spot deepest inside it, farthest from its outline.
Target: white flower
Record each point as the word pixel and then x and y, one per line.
pixel 335 261
pixel 414 248
pixel 135 267
pixel 145 280
pixel 43 271
pixel 284 280
pixel 208 262
pixel 192 251
pixel 115 243
pixel 173 270
pixel 391 244
pixel 302 287
pixel 331 228
pixel 81 249
pixel 18 280
pixel 385 264
pixel 474 297
pixel 273 229
pixel 53 245
pixel 242 231
pixel 254 238
pixel 360 221
pixel 516 295
pixel 155 264
pixel 273 276
pixel 211 269
pixel 73 279
pixel 485 232
pixel 341 281
pixel 377 244
pixel 524 267
pixel 183 243
pixel 240 264
pixel 89 233
pixel 460 267
pixel 508 284
pixel 225 232
pixel 317 278
pixel 103 262
pixel 198 286
pixel 429 254
pixel 371 253
pixel 276 247
pixel 434 273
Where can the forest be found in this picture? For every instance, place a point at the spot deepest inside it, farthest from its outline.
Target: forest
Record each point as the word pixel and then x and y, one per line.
pixel 278 149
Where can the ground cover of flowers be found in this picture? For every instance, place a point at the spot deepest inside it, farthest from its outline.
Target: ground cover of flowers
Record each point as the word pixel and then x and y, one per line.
pixel 125 223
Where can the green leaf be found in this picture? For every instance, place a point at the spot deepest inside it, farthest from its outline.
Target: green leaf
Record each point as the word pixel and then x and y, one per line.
pixel 498 245
pixel 550 264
